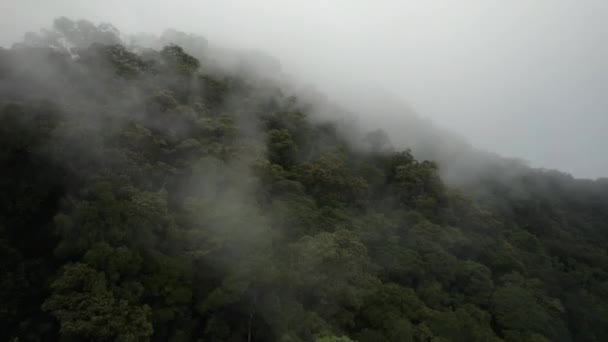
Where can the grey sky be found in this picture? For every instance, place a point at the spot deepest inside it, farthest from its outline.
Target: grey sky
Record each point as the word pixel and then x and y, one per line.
pixel 522 78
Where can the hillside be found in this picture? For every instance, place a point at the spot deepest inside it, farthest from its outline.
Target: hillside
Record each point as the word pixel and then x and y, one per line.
pixel 163 191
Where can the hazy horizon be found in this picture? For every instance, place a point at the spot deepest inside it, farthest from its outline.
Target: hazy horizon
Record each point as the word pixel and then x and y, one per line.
pixel 524 80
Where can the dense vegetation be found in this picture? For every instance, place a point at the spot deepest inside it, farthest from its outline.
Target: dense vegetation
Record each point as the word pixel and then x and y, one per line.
pixel 147 194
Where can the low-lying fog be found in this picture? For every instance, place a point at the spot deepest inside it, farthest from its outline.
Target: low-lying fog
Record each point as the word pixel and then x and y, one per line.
pixel 525 79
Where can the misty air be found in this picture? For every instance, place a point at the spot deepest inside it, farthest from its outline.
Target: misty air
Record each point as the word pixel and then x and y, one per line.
pixel 344 171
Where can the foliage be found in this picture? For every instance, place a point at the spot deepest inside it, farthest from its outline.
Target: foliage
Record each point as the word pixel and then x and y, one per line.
pixel 147 197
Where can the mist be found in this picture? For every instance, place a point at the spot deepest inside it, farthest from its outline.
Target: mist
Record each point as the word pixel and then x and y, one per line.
pixel 303 171
pixel 522 79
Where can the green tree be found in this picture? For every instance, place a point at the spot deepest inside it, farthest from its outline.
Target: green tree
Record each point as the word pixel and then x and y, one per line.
pixel 86 308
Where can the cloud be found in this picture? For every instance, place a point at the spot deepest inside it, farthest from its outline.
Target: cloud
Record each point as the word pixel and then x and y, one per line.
pixel 523 79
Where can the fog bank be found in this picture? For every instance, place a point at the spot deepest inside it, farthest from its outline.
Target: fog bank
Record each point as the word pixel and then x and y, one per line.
pixel 523 79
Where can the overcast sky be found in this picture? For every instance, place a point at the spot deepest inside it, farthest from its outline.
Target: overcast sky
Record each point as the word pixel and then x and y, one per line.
pixel 523 78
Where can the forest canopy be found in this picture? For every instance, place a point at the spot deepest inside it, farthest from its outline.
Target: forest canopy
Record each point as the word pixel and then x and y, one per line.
pixel 150 191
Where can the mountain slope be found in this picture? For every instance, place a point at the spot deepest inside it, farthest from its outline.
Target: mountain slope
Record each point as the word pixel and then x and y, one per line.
pixel 148 194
